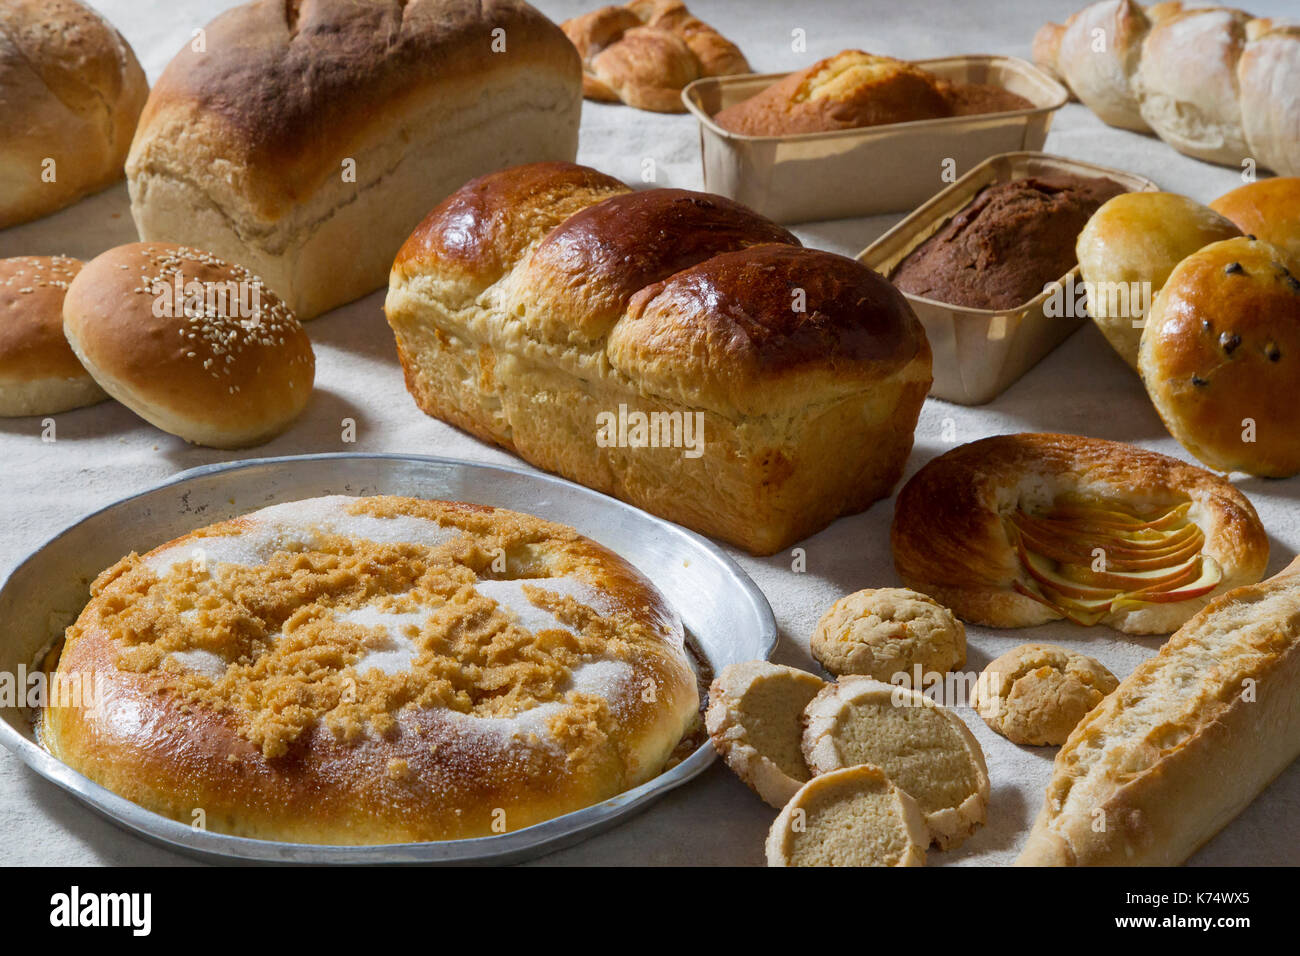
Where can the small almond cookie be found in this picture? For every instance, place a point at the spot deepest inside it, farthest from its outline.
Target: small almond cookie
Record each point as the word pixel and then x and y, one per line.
pixel 1037 693
pixel 851 817
pixel 755 720
pixel 925 749
pixel 881 632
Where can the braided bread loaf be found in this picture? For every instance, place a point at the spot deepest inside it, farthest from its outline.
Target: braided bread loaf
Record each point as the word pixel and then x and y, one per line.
pixel 1212 82
pixel 671 348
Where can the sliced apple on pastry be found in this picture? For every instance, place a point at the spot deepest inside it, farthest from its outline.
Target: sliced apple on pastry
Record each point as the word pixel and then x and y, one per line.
pixel 1086 559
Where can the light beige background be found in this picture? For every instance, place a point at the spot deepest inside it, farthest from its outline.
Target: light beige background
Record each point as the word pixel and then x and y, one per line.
pixel 105 452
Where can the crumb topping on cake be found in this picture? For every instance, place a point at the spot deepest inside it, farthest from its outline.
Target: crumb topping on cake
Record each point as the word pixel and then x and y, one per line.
pixel 368 607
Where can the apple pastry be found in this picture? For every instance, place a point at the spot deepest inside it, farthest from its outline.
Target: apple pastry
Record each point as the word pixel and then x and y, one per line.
pixel 1020 530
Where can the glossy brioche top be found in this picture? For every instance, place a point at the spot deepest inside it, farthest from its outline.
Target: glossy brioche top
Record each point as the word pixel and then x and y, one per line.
pixel 367 670
pixel 1220 357
pixel 693 295
pixel 950 539
pixel 281 91
pixel 1268 209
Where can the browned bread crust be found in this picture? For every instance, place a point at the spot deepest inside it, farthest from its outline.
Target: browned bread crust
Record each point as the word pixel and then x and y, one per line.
pixel 646 52
pixel 232 674
pixel 71 91
pixel 570 296
pixel 950 538
pixel 244 145
pixel 1185 742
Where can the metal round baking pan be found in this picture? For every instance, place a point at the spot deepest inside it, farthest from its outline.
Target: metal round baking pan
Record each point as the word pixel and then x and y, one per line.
pixel 722 608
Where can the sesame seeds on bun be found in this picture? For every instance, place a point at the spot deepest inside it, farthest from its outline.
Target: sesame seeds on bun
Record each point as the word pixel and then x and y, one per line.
pixel 39 374
pixel 195 345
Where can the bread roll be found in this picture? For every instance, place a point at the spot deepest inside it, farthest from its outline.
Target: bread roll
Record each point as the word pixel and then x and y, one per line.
pixel 555 312
pixel 364 671
pixel 71 91
pixel 1126 252
pixel 1269 210
pixel 39 374
pixel 306 140
pixel 1220 356
pixel 197 346
pixel 1185 743
pixel 646 52
pixel 1019 530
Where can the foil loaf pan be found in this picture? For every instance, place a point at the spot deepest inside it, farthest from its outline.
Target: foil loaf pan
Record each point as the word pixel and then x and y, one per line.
pixel 979 353
pixel 868 171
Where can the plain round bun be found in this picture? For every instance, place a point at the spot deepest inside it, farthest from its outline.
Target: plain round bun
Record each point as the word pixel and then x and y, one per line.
pixel 1268 209
pixel 884 632
pixel 1220 358
pixel 197 346
pixel 1036 694
pixel 1020 530
pixel 363 670
pixel 1130 245
pixel 850 817
pixel 924 748
pixel 755 720
pixel 71 92
pixel 39 374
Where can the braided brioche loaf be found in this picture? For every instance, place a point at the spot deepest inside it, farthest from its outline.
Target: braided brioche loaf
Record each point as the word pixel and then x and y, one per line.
pixel 1212 82
pixel 781 385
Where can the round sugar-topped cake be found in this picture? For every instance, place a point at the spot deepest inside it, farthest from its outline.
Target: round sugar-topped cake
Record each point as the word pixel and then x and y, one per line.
pixel 373 670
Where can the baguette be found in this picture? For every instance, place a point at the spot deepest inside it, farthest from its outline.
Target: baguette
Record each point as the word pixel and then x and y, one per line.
pixel 1185 743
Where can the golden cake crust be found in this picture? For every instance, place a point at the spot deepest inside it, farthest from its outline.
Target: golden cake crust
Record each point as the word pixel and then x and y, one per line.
pixel 393 670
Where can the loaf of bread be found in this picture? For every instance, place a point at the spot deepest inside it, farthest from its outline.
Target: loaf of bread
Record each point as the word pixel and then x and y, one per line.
pixel 854 89
pixel 671 348
pixel 646 52
pixel 71 91
pixel 305 140
pixel 1185 742
pixel 1213 82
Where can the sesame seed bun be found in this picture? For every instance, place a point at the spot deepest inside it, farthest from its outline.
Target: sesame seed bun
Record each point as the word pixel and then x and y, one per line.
pixel 39 374
pixel 195 345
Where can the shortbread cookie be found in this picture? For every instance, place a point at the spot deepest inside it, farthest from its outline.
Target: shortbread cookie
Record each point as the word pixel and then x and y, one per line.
pixel 850 817
pixel 1037 693
pixel 924 748
pixel 755 719
pixel 881 632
